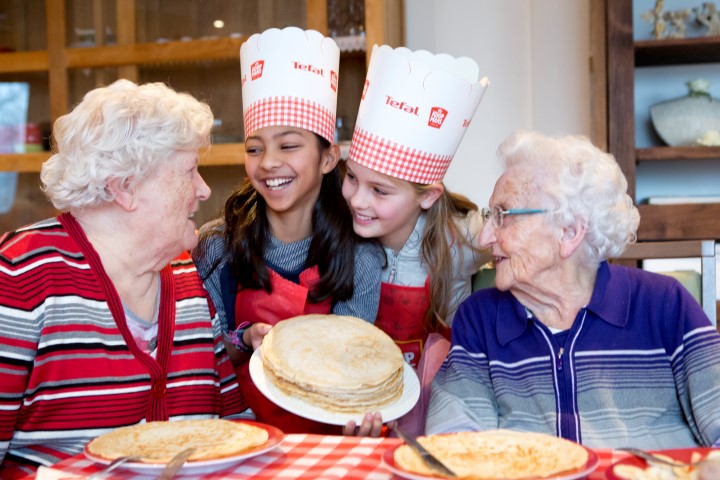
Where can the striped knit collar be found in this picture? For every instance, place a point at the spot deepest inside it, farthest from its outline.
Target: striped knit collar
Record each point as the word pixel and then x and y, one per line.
pixel 166 324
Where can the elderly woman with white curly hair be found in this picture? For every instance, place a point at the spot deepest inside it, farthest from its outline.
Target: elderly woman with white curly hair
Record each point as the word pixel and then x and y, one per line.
pixel 567 344
pixel 104 321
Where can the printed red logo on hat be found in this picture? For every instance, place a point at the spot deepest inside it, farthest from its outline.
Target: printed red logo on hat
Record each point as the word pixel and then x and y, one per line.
pixel 365 88
pixel 308 68
pixel 256 69
pixel 402 106
pixel 437 117
pixel 333 81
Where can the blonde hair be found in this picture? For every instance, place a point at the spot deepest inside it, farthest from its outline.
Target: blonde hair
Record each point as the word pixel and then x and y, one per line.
pixel 441 234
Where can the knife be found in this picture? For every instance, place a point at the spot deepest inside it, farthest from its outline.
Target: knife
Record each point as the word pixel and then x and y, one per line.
pixel 175 464
pixel 429 459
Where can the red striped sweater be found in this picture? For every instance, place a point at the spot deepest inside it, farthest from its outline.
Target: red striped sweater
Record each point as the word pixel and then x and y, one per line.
pixel 68 372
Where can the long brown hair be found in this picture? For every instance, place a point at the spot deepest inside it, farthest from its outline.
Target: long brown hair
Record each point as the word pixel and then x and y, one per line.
pixel 441 233
pixel 332 246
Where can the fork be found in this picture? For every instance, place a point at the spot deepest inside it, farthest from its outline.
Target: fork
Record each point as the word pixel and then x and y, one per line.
pixel 176 463
pixel 111 466
pixel 653 457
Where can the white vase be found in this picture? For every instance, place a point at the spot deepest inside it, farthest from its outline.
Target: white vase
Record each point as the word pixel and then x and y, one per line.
pixel 683 121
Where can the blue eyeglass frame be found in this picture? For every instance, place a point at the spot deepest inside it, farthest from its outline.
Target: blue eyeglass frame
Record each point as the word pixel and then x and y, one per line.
pixel 487 213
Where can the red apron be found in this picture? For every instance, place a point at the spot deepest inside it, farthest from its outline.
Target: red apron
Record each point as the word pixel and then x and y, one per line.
pixel 288 299
pixel 401 315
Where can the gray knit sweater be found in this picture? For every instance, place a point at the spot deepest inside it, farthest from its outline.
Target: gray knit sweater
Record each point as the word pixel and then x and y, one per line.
pixel 211 256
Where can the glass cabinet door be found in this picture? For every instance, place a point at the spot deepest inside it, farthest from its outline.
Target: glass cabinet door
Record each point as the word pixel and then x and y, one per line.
pixel 191 26
pixel 22 25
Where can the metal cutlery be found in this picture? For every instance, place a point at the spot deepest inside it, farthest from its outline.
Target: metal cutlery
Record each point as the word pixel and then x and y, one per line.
pixel 708 468
pixel 111 466
pixel 175 464
pixel 653 457
pixel 429 459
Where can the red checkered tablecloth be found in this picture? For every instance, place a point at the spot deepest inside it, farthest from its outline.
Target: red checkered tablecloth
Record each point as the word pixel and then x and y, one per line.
pixel 312 456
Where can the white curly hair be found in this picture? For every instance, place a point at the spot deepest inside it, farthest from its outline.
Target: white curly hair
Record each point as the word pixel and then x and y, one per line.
pixel 576 181
pixel 122 131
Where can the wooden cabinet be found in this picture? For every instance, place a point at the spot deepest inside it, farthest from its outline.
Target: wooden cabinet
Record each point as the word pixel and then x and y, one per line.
pixel 161 40
pixel 64 48
pixel 615 58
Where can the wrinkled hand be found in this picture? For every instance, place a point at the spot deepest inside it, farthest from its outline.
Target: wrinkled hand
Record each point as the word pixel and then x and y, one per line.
pixel 255 333
pixel 371 426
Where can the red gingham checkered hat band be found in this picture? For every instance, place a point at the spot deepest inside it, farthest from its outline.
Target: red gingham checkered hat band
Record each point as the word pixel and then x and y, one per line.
pixel 396 160
pixel 290 111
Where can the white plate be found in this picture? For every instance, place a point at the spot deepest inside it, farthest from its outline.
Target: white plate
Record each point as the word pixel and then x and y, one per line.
pixel 200 467
pixel 410 396
pixel 582 472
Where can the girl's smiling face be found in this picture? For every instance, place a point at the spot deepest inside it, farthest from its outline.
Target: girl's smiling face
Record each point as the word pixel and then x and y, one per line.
pixel 286 166
pixel 383 207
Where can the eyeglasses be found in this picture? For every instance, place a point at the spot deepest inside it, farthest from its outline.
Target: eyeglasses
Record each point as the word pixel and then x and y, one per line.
pixel 497 214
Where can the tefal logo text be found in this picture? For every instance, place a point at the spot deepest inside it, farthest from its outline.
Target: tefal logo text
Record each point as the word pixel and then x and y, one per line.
pixel 401 105
pixel 308 68
pixel 256 69
pixel 437 117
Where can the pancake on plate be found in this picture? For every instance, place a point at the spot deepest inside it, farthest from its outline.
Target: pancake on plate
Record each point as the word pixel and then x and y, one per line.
pixel 158 442
pixel 496 454
pixel 339 363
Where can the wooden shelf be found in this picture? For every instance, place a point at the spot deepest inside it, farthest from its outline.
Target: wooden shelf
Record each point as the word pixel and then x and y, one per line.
pixel 679 51
pixel 22 162
pixel 134 54
pixel 20 62
pixel 677 153
pixel 696 221
pixel 617 57
pixel 216 155
pixel 674 249
pixel 155 53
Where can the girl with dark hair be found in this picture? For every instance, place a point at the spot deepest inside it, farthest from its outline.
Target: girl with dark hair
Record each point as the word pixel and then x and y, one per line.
pixel 285 245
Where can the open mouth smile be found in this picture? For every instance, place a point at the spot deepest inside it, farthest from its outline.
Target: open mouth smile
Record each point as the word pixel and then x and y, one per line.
pixel 278 183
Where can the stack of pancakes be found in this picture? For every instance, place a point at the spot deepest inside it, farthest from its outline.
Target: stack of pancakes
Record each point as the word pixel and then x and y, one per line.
pixel 339 363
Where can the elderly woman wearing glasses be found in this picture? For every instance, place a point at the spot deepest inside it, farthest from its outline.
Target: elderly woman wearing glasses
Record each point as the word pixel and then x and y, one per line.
pixel 567 344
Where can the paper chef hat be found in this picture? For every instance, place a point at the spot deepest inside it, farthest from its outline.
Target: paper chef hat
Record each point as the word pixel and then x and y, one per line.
pixel 414 111
pixel 290 77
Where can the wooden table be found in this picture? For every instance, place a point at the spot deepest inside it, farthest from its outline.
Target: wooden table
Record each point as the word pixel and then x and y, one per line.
pixel 322 457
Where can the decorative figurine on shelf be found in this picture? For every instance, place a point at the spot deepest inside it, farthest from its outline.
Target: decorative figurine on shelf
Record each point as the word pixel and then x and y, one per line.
pixel 655 16
pixel 667 24
pixel 677 21
pixel 708 16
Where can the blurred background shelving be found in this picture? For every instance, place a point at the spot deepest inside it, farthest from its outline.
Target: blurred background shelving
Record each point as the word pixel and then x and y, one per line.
pixel 64 48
